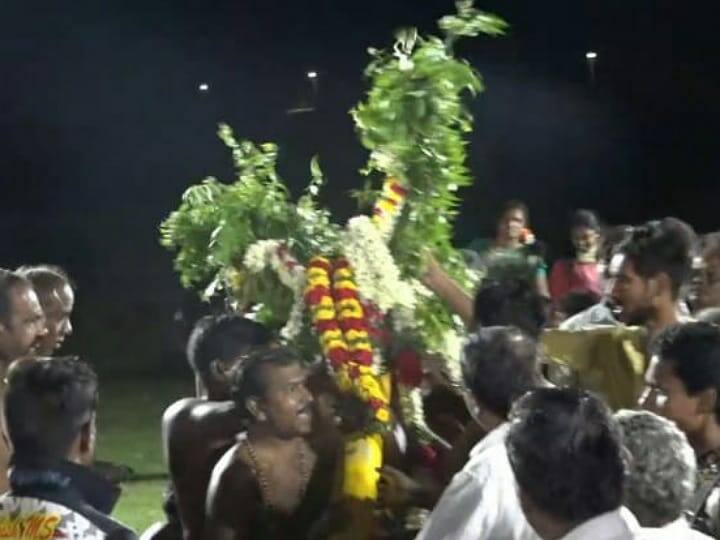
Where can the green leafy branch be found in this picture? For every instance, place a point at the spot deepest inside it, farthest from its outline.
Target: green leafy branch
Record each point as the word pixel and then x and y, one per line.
pixel 414 122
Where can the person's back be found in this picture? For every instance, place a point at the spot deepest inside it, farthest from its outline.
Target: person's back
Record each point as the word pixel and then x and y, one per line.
pixel 196 434
pixel 50 422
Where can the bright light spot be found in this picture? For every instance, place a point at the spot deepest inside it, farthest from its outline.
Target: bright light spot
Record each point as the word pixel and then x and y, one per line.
pixel 591 55
pixel 203 87
pixel 312 74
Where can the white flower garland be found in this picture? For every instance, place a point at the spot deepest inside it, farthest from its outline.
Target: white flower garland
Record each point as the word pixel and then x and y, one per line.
pixel 376 274
pixel 451 351
pixel 294 324
pixel 274 254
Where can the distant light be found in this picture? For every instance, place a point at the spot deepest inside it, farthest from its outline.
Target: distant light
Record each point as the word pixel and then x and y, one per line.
pixel 312 74
pixel 203 87
pixel 591 55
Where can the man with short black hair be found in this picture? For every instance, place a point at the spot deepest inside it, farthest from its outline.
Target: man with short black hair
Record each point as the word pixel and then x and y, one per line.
pixel 683 385
pixel 510 301
pixel 197 431
pixel 655 264
pixel 268 485
pixel 565 450
pixel 49 417
pixel 501 364
pixel 56 294
pixel 656 267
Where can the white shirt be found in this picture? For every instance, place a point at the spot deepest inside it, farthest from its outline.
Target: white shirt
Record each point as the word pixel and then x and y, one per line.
pixel 677 530
pixel 598 315
pixel 619 524
pixel 481 502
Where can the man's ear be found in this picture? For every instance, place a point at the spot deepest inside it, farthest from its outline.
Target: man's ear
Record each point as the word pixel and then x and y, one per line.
pixel 253 406
pixel 218 371
pixel 708 401
pixel 662 284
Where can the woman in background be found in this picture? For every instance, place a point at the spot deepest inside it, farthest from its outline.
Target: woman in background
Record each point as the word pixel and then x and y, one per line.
pixel 582 273
pixel 513 253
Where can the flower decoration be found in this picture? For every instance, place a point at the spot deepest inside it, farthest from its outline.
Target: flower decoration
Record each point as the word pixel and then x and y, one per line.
pixel 389 206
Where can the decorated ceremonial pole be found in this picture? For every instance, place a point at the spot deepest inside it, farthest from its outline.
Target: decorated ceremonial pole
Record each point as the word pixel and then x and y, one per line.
pixel 351 295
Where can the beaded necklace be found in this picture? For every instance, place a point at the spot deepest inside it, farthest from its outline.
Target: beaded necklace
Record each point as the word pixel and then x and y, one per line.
pixel 262 478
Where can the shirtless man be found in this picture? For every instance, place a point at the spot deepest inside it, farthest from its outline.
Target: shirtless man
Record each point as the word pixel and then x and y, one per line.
pixel 22 328
pixel 197 431
pixel 268 485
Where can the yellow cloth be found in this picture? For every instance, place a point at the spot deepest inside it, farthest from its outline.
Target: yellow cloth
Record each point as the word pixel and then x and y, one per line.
pixel 608 360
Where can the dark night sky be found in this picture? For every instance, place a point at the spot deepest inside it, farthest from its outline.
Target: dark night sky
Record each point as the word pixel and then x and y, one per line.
pixel 102 126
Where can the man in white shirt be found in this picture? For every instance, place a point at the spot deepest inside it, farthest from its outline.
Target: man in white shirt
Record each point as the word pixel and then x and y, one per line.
pixel 566 453
pixel 500 364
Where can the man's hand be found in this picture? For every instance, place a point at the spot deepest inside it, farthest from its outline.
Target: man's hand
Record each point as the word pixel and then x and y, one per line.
pixel 395 488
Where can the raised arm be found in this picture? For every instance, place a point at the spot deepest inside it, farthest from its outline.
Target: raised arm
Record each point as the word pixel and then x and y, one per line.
pixel 439 282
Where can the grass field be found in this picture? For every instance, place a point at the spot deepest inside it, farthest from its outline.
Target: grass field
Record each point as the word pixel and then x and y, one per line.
pixel 129 434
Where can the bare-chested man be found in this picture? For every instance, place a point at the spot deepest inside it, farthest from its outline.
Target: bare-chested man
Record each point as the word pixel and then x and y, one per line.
pixel 197 431
pixel 22 328
pixel 269 484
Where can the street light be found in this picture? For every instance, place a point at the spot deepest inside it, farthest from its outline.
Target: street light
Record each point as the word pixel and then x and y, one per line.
pixel 591 58
pixel 312 74
pixel 203 87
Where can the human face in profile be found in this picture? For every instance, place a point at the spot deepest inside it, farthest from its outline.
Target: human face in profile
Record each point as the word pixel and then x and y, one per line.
pixel 57 305
pixel 22 333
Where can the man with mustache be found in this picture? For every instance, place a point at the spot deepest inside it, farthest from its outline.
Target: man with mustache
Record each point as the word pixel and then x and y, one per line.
pixel 22 328
pixel 269 484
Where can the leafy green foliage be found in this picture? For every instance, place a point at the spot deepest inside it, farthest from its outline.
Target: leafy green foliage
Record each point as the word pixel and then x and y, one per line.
pixel 216 223
pixel 413 122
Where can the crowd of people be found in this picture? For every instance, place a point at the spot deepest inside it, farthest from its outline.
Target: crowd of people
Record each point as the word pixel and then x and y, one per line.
pixel 589 408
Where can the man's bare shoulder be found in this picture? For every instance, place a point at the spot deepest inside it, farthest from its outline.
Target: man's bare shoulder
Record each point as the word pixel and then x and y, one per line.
pixel 177 416
pixel 180 410
pixel 186 416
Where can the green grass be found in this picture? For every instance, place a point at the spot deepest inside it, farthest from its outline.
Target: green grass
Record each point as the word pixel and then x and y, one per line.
pixel 129 434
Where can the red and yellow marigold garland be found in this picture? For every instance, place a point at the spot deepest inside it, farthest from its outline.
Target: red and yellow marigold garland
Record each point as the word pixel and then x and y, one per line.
pixel 389 205
pixel 339 319
pixel 340 322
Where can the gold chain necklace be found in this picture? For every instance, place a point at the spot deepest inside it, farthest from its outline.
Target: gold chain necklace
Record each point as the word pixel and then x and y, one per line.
pixel 262 478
